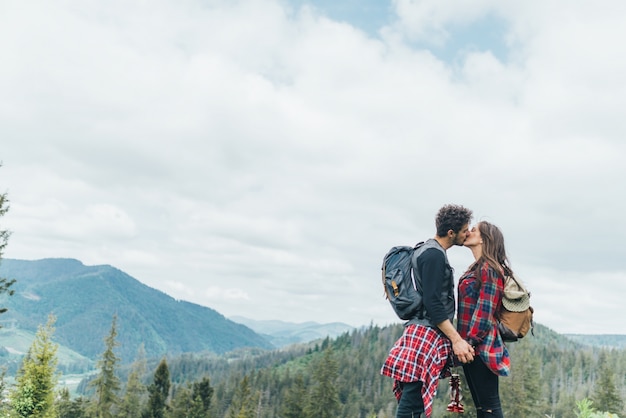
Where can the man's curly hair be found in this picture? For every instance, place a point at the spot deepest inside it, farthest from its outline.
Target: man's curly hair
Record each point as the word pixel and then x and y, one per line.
pixel 452 217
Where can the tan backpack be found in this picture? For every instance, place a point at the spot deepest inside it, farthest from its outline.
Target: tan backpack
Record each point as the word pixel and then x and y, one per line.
pixel 515 315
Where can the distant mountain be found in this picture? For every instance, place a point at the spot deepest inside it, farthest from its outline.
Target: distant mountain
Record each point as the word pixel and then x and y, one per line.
pixel 599 340
pixel 85 298
pixel 282 333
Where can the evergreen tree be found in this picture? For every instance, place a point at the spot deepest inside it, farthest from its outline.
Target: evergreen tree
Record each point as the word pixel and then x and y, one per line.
pixel 243 403
pixel 324 400
pixel 521 392
pixel 181 402
pixel 70 408
pixel 5 284
pixel 106 383
pixel 203 392
pixel 159 391
pixel 3 406
pixel 606 396
pixel 188 402
pixel 564 406
pixel 63 401
pixel 36 379
pixel 131 404
pixel 293 405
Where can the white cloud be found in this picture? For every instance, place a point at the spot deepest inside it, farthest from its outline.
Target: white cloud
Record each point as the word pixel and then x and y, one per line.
pixel 428 20
pixel 260 159
pixel 216 293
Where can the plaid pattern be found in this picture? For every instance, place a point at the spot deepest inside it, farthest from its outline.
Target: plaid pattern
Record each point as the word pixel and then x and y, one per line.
pixel 479 299
pixel 420 354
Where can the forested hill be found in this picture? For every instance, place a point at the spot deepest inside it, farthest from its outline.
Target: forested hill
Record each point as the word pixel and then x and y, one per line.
pixel 550 374
pixel 85 298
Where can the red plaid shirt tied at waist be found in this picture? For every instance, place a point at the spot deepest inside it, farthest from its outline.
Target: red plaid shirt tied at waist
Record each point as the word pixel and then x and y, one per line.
pixel 420 354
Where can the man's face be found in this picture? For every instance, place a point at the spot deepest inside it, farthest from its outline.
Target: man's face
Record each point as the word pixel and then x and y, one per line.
pixel 460 237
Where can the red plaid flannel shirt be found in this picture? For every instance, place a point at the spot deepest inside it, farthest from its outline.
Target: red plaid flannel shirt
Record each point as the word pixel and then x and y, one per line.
pixel 479 298
pixel 420 354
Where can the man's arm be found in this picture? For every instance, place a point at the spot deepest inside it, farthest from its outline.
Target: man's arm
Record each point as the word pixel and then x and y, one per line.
pixel 461 348
pixel 432 265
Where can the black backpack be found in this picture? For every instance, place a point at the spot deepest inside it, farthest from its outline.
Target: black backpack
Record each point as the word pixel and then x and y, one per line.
pixel 401 289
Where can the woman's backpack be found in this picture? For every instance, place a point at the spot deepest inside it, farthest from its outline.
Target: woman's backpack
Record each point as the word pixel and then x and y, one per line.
pixel 515 316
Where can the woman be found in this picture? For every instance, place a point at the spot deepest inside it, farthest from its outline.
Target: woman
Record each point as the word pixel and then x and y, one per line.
pixel 480 295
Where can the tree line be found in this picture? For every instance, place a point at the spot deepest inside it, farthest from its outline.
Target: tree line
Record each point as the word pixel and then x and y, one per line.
pixel 332 378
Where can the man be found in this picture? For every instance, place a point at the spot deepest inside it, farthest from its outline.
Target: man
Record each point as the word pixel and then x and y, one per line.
pixel 419 358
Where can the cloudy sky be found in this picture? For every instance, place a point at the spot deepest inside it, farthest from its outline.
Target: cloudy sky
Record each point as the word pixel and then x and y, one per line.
pixel 260 157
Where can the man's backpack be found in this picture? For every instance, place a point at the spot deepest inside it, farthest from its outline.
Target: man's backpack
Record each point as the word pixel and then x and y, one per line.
pixel 515 317
pixel 401 289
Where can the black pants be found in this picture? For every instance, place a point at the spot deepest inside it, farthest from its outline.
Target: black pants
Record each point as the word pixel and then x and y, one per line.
pixel 483 385
pixel 411 404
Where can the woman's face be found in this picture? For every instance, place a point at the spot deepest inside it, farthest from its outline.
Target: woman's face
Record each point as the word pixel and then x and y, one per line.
pixel 474 237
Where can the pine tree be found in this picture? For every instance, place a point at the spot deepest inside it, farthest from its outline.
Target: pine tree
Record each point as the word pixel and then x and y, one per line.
pixel 106 383
pixel 159 391
pixel 3 406
pixel 70 408
pixel 606 396
pixel 244 402
pixel 181 402
pixel 63 402
pixel 203 391
pixel 324 399
pixel 36 379
pixel 521 392
pixel 131 404
pixel 5 284
pixel 188 402
pixel 293 405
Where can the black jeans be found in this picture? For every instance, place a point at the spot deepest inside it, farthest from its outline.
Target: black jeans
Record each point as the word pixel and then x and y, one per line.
pixel 483 385
pixel 411 404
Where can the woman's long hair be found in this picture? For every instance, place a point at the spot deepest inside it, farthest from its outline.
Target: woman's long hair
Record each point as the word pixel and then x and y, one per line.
pixel 494 253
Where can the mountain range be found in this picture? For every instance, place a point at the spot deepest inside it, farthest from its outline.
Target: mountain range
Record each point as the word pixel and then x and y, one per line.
pixel 84 300
pixel 281 333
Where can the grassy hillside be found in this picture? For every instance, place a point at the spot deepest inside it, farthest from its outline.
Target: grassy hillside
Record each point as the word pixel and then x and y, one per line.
pixel 15 343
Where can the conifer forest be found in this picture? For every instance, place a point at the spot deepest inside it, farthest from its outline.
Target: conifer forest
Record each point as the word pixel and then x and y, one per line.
pixel 331 378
